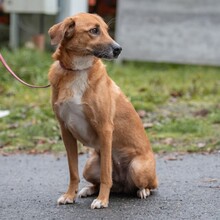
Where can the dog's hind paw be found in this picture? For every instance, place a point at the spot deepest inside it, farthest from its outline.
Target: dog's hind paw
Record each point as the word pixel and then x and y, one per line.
pixel 143 193
pixel 87 191
pixel 65 199
pixel 97 204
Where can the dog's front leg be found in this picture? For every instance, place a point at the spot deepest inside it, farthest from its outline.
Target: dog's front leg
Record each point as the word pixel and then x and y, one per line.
pixel 105 137
pixel 72 156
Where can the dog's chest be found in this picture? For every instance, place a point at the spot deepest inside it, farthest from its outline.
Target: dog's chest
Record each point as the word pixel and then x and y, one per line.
pixel 71 109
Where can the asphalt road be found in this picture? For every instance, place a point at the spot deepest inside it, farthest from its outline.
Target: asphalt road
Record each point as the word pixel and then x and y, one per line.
pixel 189 189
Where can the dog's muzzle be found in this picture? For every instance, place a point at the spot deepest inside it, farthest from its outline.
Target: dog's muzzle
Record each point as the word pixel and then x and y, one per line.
pixel 116 50
pixel 109 51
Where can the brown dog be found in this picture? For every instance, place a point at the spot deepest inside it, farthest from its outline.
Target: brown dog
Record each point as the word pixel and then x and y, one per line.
pixel 91 108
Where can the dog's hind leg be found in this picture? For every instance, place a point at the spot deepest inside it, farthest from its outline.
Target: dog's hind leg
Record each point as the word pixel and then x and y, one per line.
pixel 143 175
pixel 92 174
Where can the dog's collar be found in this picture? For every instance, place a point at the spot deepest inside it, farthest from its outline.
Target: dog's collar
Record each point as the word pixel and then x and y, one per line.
pixel 69 69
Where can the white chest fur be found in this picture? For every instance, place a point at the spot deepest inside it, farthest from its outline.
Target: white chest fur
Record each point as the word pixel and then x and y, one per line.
pixel 71 110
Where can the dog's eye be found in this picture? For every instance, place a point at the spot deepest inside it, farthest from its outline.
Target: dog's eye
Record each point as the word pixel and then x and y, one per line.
pixel 94 31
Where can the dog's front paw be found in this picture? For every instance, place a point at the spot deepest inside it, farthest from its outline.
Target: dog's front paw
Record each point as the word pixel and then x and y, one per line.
pixel 97 204
pixel 66 199
pixel 143 193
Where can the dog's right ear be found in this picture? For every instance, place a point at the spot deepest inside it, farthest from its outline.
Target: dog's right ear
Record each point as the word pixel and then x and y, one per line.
pixel 61 30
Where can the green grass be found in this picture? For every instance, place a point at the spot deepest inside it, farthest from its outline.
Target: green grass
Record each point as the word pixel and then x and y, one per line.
pixel 174 97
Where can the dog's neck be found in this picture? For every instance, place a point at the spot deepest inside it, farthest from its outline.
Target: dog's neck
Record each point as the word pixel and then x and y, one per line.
pixel 78 63
pixel 82 63
pixel 71 62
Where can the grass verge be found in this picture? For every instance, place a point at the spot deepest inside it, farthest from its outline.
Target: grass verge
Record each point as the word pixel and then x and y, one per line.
pixel 179 104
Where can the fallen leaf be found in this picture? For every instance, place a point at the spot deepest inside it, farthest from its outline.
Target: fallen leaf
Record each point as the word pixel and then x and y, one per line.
pixel 173 157
pixel 202 113
pixel 210 180
pixel 13 126
pixel 168 141
pixel 201 145
pixel 148 125
pixel 142 113
pixel 176 94
pixel 3 144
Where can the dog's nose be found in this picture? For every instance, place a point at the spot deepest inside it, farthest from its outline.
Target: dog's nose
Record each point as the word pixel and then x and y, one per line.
pixel 116 50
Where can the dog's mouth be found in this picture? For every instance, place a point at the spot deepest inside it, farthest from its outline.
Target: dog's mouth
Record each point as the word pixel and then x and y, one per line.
pixel 110 51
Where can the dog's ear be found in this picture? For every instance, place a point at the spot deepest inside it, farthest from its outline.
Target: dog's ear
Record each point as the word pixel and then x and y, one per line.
pixel 61 30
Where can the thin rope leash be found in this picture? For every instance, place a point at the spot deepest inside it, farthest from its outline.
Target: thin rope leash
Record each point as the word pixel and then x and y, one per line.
pixel 17 78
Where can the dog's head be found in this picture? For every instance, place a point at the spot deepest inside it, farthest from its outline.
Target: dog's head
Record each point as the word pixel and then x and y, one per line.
pixel 85 34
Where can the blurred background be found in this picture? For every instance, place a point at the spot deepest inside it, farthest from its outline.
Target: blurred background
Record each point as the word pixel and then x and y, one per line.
pixel 180 31
pixel 26 22
pixel 169 69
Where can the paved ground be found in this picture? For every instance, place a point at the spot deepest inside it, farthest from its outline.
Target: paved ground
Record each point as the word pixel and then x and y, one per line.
pixel 189 189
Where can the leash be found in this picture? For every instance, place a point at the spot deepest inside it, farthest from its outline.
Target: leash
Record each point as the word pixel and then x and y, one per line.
pixel 16 77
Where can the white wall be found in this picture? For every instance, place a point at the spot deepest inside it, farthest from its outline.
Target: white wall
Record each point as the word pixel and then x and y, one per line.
pixel 71 7
pixel 176 31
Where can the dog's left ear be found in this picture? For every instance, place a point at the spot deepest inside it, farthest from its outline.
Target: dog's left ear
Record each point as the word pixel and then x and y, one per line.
pixel 61 30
